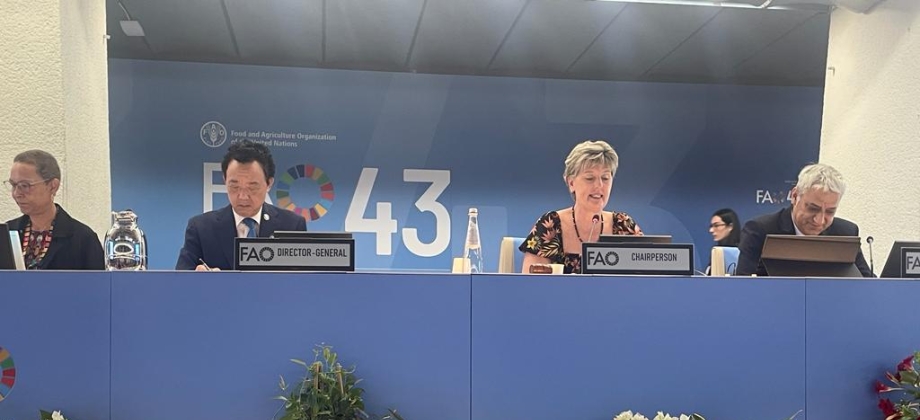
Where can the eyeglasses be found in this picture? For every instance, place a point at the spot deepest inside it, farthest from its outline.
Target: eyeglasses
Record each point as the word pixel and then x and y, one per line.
pixel 249 190
pixel 717 225
pixel 24 186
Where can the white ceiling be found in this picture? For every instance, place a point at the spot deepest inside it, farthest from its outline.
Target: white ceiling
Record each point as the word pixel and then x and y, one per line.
pixel 574 39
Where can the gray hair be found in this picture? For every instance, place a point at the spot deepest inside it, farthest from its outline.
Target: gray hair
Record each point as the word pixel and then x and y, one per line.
pixel 44 163
pixel 822 177
pixel 589 153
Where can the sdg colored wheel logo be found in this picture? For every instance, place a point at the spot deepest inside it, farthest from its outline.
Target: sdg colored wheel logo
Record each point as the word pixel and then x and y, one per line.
pixel 7 373
pixel 326 191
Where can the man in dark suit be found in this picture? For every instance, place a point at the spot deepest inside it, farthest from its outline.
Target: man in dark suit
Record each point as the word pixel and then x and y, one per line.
pixel 249 173
pixel 814 203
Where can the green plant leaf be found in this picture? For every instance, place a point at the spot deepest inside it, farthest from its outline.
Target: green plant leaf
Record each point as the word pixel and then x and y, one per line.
pixel 327 391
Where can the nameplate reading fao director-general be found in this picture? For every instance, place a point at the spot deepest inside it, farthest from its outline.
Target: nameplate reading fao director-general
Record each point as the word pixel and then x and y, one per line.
pixel 294 254
pixel 614 258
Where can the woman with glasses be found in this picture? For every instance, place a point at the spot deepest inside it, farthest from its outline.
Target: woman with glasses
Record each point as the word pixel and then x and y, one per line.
pixel 51 239
pixel 726 231
pixel 725 228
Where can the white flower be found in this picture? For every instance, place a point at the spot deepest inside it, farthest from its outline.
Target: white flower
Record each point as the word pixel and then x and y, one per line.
pixel 626 415
pixel 57 416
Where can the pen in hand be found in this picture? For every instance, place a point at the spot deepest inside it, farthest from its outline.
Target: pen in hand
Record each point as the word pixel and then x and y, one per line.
pixel 206 266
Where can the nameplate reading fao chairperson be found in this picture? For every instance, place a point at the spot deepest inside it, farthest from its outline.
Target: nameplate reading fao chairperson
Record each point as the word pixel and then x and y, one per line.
pixel 632 258
pixel 294 254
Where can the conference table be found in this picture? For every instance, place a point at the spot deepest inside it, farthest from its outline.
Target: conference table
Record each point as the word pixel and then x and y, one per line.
pixel 187 345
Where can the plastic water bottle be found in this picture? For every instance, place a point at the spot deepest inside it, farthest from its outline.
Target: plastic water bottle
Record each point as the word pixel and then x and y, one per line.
pixel 472 248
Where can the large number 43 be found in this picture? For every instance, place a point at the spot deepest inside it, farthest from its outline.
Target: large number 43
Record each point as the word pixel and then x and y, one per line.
pixel 385 226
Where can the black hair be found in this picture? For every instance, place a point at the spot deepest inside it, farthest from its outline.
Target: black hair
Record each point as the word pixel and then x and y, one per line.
pixel 729 217
pixel 247 151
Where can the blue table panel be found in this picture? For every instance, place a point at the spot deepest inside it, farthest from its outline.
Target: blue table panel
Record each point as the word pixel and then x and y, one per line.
pixel 857 330
pixel 212 345
pixel 565 347
pixel 55 326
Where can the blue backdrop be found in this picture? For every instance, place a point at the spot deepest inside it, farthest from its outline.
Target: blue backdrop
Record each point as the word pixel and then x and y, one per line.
pixel 425 148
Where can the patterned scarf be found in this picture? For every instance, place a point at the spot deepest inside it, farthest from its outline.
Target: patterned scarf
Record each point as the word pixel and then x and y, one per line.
pixel 35 245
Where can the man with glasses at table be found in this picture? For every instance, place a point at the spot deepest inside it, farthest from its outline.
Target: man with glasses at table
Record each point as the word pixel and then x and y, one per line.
pixel 249 172
pixel 51 239
pixel 815 199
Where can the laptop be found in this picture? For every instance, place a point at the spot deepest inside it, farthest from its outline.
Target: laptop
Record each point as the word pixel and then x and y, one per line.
pixel 10 251
pixel 303 234
pixel 635 239
pixel 811 256
pixel 893 264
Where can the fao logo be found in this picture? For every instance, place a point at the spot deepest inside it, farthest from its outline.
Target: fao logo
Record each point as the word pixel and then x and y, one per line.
pixel 265 254
pixel 773 197
pixel 610 258
pixel 213 134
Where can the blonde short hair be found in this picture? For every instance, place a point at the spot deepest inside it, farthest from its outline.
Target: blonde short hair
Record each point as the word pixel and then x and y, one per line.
pixel 822 177
pixel 590 153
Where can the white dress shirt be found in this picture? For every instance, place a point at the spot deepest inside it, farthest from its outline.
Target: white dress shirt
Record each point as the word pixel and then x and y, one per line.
pixel 242 230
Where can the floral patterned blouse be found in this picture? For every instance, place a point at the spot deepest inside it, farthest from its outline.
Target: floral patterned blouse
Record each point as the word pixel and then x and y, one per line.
pixel 545 239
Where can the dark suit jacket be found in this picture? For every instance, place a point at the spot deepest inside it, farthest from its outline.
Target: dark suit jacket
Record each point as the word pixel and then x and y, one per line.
pixel 780 223
pixel 210 236
pixel 74 246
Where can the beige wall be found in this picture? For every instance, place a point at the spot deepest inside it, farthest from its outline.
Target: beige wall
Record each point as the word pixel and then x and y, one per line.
pixel 871 127
pixel 54 96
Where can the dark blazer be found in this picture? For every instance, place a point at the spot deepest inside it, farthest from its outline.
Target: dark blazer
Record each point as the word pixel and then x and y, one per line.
pixel 74 246
pixel 210 236
pixel 780 223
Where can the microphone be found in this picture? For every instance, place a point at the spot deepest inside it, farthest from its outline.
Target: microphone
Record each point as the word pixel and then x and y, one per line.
pixel 869 241
pixel 594 220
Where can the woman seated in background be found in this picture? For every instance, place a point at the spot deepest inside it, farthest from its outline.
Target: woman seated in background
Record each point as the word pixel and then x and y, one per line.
pixel 725 228
pixel 51 239
pixel 557 236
